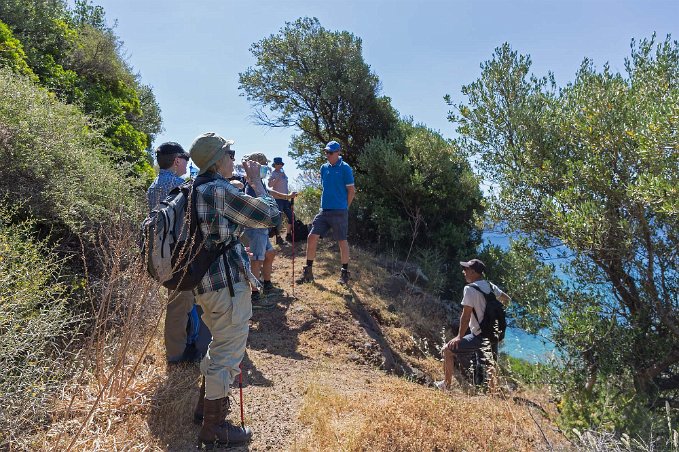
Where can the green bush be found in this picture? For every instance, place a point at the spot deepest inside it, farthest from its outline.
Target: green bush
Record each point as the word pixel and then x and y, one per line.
pixel 12 53
pixel 307 204
pixel 54 164
pixel 416 192
pixel 34 318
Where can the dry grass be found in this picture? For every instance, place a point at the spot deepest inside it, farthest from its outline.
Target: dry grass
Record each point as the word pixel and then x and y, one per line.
pixel 313 369
pixel 401 416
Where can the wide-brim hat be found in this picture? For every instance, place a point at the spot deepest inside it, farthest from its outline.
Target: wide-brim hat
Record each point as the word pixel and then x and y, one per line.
pixel 257 157
pixel 278 161
pixel 475 264
pixel 207 149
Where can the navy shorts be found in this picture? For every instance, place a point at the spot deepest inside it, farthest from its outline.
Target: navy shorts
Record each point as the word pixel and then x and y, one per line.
pixel 471 343
pixel 337 220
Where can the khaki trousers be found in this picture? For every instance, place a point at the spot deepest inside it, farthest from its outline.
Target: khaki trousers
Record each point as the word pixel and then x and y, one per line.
pixel 228 320
pixel 176 319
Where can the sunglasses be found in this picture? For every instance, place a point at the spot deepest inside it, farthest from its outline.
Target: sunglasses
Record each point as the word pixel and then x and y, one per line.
pixel 231 153
pixel 330 152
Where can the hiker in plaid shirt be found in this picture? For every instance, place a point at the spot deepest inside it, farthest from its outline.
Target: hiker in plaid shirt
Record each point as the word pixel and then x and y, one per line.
pixel 224 291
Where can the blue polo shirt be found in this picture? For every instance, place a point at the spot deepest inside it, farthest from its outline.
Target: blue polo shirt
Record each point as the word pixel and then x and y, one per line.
pixel 335 179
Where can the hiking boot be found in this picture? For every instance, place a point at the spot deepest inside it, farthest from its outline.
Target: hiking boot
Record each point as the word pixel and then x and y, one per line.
pixel 260 302
pixel 280 241
pixel 270 289
pixel 307 276
pixel 198 411
pixel 344 277
pixel 218 431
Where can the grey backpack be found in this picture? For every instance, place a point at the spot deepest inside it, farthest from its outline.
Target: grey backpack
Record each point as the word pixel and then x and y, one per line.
pixel 173 247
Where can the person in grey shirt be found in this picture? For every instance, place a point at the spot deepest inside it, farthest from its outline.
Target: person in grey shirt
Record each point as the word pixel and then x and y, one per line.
pixel 278 181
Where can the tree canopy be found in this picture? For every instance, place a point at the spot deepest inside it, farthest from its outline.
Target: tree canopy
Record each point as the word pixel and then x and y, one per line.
pixel 75 55
pixel 316 80
pixel 593 166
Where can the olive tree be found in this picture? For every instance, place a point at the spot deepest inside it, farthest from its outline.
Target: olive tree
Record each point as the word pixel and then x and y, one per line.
pixel 593 166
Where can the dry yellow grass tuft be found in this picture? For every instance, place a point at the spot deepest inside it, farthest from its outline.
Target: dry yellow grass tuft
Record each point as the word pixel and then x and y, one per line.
pixel 400 416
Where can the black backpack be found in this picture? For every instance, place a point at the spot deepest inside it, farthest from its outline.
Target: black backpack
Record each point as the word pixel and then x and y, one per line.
pixel 301 231
pixel 173 246
pixel 494 323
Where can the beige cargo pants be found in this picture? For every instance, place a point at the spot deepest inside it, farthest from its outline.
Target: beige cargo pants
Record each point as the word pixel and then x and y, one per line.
pixel 228 320
pixel 176 318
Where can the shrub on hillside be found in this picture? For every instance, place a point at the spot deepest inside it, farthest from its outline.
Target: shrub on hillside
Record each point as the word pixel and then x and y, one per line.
pixel 54 164
pixel 33 321
pixel 417 192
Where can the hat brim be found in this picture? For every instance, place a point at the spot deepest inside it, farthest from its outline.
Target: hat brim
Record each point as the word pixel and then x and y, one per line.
pixel 221 152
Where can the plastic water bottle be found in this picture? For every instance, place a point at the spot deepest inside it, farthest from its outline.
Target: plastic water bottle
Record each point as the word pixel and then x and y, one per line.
pixel 193 171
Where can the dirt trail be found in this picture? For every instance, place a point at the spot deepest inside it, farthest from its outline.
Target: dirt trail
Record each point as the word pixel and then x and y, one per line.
pixel 329 355
pixel 303 340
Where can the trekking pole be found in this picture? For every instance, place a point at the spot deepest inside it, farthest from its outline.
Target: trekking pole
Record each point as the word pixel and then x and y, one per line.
pixel 240 386
pixel 292 229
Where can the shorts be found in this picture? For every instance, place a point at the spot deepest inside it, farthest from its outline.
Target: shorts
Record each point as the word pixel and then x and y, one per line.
pixel 337 220
pixel 258 241
pixel 471 343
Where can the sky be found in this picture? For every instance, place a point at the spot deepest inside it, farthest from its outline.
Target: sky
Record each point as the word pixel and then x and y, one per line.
pixel 191 52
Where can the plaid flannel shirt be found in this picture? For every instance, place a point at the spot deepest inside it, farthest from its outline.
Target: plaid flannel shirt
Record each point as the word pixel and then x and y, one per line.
pixel 223 211
pixel 161 186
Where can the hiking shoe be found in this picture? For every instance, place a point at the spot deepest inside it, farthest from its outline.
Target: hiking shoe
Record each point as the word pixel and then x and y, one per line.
pixel 271 290
pixel 260 302
pixel 279 240
pixel 441 385
pixel 344 277
pixel 307 276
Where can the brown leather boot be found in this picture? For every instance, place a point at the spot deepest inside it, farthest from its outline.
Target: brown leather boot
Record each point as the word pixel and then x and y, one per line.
pixel 218 430
pixel 198 411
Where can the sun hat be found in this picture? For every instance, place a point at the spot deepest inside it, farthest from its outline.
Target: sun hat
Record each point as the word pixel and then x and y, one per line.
pixel 332 146
pixel 207 149
pixel 170 147
pixel 257 157
pixel 278 161
pixel 475 264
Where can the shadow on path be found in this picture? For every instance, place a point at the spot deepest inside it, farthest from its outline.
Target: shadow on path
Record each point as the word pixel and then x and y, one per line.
pixel 271 332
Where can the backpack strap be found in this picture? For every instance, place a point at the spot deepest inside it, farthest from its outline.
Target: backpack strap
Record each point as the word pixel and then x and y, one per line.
pixel 200 180
pixel 474 286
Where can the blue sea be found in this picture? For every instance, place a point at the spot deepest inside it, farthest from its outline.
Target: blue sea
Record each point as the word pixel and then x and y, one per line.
pixel 518 343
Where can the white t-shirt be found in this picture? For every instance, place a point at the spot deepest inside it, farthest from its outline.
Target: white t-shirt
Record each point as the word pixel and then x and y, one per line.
pixel 472 297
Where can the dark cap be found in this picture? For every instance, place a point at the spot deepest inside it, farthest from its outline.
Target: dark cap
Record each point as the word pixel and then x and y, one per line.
pixel 475 264
pixel 278 161
pixel 170 148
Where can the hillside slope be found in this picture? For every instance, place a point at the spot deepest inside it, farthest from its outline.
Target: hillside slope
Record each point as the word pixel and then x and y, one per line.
pixel 321 373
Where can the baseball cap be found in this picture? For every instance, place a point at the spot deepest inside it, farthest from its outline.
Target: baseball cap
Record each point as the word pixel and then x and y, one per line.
pixel 332 146
pixel 474 264
pixel 170 147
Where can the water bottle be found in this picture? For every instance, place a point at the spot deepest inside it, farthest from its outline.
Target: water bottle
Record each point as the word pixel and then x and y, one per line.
pixel 193 171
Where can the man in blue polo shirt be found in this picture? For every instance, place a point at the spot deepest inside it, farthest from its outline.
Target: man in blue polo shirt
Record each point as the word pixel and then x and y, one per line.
pixel 337 180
